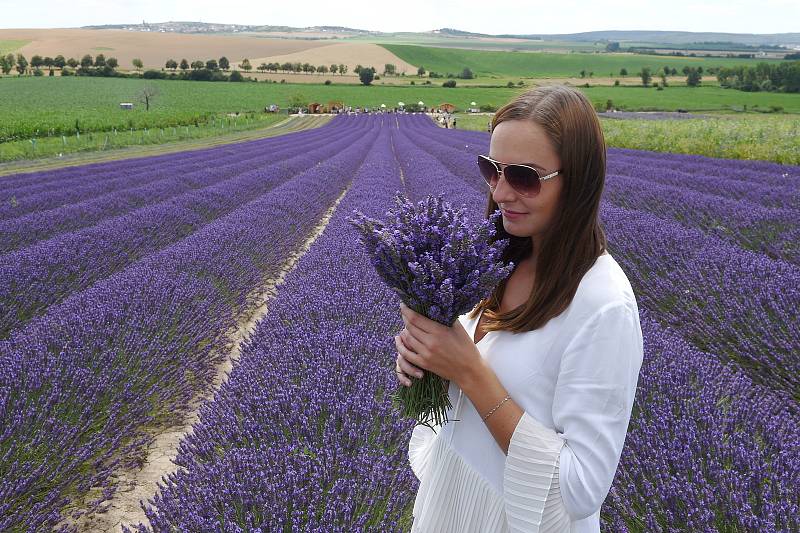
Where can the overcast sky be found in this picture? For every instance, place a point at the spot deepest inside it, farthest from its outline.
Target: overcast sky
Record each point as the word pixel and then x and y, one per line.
pixel 494 17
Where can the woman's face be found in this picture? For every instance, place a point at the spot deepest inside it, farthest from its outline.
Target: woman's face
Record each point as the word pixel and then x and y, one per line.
pixel 524 141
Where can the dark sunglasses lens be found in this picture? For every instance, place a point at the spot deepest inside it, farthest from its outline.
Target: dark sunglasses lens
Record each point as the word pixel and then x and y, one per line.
pixel 524 180
pixel 488 170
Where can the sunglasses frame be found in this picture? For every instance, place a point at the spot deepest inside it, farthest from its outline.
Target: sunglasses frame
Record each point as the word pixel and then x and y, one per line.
pixel 499 167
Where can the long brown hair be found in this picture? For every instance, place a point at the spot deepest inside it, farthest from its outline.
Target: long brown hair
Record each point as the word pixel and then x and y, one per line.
pixel 575 238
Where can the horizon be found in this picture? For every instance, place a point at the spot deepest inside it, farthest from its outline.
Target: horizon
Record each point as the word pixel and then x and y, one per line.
pixel 767 17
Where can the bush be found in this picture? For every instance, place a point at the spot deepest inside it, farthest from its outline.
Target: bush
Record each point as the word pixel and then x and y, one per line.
pixel 488 108
pixel 327 82
pixel 38 72
pixel 235 76
pixel 66 71
pixel 449 83
pixel 616 83
pixel 154 75
pixel 412 82
pixel 510 85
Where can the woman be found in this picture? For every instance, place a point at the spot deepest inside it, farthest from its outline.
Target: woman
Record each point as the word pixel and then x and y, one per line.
pixel 549 363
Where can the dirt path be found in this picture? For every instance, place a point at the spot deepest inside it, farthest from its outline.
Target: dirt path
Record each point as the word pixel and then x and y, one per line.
pixel 136 485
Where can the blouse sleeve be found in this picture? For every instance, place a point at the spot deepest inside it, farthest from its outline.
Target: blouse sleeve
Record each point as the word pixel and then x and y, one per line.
pixel 419 447
pixel 553 477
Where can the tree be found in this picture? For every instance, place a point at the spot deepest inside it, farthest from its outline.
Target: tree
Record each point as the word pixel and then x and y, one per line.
pixel 87 61
pixel 22 64
pixel 171 63
pixel 612 47
pixel 583 74
pixel 72 62
pixel 59 61
pixel 366 75
pixel 100 60
pixel 466 74
pixel 421 71
pixel 197 65
pixel 389 69
pixel 263 67
pixel 333 68
pixel 693 77
pixel 245 65
pixel 452 83
pixel 342 68
pixel 297 101
pixel 147 94
pixel 37 61
pixel 623 72
pixel 322 69
pixel 646 76
pixel 211 64
pixel 663 78
pixel 224 64
pixel 138 63
pixel 5 64
pixel 184 65
pixel 235 76
pixel 685 71
pixel 112 62
pixel 358 68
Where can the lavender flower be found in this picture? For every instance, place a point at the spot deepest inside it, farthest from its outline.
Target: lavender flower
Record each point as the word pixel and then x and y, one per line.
pixel 441 266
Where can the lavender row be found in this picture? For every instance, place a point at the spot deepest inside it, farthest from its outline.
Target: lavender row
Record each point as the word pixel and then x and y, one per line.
pixel 132 175
pixel 36 277
pixel 80 385
pixel 161 185
pixel 738 304
pixel 752 192
pixel 302 436
pixel 105 169
pixel 771 231
pixel 707 449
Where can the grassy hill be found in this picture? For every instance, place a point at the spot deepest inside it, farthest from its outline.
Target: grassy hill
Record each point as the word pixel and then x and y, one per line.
pixel 541 65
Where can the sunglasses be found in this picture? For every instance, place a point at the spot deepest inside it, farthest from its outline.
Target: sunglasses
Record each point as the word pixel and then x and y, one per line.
pixel 524 179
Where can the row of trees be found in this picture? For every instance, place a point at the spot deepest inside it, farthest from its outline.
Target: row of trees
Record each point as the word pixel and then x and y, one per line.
pixel 781 77
pixel 22 65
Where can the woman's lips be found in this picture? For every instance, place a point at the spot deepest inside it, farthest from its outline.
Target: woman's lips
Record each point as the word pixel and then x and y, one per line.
pixel 511 214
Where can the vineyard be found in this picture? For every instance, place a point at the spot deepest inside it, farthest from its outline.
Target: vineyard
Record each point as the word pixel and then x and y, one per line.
pixel 121 284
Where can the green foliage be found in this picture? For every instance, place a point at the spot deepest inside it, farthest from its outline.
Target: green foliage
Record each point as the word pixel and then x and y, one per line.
pixel 450 83
pixel 784 77
pixel 236 76
pixel 366 75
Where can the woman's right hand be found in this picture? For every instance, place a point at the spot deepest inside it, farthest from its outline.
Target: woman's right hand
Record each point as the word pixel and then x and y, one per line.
pixel 403 369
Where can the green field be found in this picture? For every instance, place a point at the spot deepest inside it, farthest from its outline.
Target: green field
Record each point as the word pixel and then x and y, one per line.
pixel 11 46
pixel 748 136
pixel 545 64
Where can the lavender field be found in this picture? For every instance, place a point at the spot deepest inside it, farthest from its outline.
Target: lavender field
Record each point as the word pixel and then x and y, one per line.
pixel 121 282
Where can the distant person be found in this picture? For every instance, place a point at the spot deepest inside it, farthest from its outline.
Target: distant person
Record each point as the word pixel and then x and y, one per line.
pixel 454 122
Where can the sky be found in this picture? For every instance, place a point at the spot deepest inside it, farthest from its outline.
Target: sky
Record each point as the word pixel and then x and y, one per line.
pixel 495 17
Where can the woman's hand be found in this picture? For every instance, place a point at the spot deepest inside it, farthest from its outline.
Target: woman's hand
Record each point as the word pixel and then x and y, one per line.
pixel 425 344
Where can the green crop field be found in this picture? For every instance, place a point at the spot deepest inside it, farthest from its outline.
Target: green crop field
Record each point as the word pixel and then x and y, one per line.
pixel 545 64
pixel 747 136
pixel 11 46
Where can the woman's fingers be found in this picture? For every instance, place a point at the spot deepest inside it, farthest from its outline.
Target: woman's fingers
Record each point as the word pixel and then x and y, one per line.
pixel 403 368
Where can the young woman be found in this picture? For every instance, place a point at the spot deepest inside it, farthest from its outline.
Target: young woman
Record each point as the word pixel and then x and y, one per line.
pixel 549 363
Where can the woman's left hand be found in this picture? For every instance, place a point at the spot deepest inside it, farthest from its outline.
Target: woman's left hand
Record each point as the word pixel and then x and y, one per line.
pixel 445 351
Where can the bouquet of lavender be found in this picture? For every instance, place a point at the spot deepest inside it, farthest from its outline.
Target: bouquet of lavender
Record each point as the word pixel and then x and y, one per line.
pixel 441 266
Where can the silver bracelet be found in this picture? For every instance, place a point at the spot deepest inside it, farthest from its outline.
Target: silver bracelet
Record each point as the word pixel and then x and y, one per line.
pixel 495 407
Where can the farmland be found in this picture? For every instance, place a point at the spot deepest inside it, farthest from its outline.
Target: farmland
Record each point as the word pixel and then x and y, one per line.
pixel 46 108
pixel 485 63
pixel 122 282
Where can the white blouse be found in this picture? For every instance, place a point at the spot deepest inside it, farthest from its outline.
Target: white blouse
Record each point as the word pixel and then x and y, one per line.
pixel 575 378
